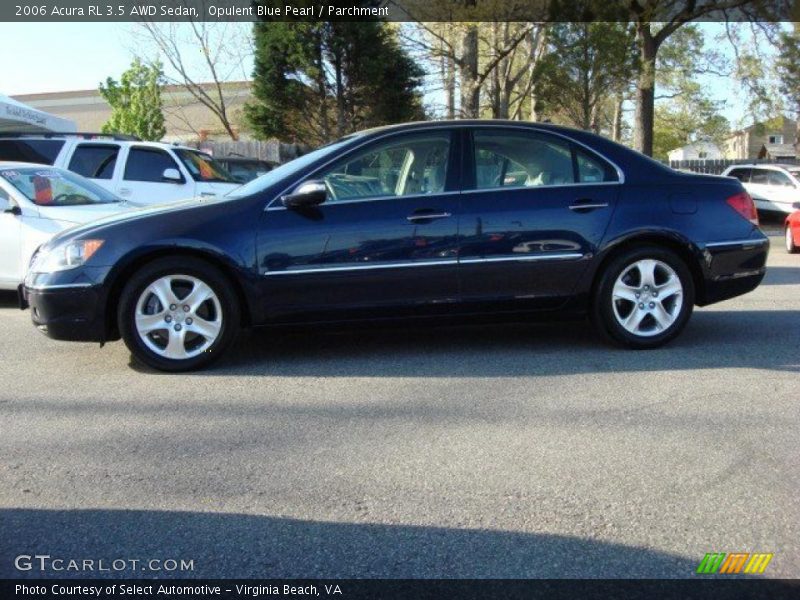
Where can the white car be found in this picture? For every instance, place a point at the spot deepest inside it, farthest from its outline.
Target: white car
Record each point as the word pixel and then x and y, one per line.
pixel 774 188
pixel 143 172
pixel 36 202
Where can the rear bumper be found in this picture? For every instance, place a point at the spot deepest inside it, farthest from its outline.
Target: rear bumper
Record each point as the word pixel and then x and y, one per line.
pixel 733 268
pixel 66 313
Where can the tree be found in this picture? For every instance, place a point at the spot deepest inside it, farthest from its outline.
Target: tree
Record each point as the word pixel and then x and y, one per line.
pixel 655 22
pixel 586 64
pixel 218 55
pixel 136 107
pixel 788 68
pixel 316 81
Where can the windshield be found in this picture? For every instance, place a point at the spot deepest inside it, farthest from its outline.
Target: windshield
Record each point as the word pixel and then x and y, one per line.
pixel 288 169
pixel 204 168
pixel 48 186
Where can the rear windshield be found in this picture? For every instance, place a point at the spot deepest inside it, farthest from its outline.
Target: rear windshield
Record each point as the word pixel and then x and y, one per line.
pixel 204 168
pixel 35 151
pixel 55 187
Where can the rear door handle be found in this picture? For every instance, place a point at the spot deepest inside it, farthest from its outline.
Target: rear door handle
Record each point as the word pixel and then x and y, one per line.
pixel 586 204
pixel 426 214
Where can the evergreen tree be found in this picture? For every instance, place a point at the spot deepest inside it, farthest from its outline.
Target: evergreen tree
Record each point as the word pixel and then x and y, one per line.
pixel 136 106
pixel 315 82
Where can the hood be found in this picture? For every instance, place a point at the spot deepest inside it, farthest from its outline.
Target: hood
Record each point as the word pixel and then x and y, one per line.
pixel 134 214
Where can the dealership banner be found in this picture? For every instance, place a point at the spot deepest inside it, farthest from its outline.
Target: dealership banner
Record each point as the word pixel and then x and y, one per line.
pixel 392 10
pixel 414 589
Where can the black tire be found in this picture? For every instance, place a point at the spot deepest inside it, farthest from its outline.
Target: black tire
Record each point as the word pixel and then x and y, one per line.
pixel 183 266
pixel 789 244
pixel 602 311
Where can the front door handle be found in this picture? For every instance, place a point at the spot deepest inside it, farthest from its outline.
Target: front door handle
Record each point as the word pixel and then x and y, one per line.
pixel 426 214
pixel 586 204
pixel 124 191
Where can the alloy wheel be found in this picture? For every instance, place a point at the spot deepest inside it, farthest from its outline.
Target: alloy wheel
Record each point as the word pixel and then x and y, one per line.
pixel 178 317
pixel 647 297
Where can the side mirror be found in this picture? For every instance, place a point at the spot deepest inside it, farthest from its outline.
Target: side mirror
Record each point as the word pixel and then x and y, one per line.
pixel 172 176
pixel 309 193
pixel 796 206
pixel 12 209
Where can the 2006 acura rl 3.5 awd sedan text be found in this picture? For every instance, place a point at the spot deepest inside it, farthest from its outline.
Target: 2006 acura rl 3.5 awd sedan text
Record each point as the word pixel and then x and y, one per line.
pixel 418 220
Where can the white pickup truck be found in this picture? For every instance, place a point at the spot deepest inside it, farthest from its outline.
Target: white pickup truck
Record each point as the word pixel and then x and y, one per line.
pixel 142 172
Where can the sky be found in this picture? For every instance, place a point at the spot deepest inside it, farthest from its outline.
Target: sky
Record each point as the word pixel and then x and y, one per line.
pixel 51 57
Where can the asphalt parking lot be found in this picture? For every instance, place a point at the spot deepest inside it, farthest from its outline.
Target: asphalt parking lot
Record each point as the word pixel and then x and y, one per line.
pixel 502 451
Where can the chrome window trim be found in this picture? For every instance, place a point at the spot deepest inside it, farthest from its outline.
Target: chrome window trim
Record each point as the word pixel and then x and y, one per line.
pixel 373 199
pixel 429 263
pixel 452 127
pixel 755 242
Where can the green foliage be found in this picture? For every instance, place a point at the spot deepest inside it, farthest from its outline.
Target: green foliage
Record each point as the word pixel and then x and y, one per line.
pixel 314 82
pixel 136 106
pixel 587 63
pixel 788 68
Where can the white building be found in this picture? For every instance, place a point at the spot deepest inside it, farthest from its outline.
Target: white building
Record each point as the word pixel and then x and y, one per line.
pixel 696 151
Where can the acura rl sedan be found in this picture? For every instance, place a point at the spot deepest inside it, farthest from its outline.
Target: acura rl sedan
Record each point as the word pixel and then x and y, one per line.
pixel 423 221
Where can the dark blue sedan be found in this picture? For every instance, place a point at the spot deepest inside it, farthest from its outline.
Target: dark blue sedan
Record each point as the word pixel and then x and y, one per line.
pixel 425 221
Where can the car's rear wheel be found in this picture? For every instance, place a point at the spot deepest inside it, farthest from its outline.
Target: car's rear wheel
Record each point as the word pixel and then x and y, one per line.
pixel 644 298
pixel 791 248
pixel 178 314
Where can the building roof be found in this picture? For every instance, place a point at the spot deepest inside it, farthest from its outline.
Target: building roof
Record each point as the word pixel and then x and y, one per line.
pixel 776 150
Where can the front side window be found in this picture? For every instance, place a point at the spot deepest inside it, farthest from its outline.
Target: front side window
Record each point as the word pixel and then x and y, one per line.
pixel 96 161
pixel 148 164
pixel 407 166
pixel 5 201
pixel 759 176
pixel 529 159
pixel 46 186
pixel 204 168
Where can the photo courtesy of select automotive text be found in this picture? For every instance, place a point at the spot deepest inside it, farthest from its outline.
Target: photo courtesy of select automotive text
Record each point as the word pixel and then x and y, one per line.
pixel 400 299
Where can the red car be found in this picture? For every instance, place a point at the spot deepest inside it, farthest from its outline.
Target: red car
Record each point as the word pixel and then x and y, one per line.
pixel 792 230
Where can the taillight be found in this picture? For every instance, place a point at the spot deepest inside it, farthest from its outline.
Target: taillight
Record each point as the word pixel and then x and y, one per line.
pixel 743 204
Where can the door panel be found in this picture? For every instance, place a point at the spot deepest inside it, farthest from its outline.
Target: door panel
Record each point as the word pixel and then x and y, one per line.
pixel 386 238
pixel 142 179
pixel 528 236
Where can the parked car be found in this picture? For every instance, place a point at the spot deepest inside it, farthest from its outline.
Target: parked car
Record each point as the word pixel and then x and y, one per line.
pixel 245 169
pixel 143 172
pixel 791 230
pixel 427 221
pixel 37 202
pixel 774 188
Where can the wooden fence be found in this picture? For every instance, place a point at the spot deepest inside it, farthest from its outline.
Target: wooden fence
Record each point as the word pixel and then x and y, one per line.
pixel 270 150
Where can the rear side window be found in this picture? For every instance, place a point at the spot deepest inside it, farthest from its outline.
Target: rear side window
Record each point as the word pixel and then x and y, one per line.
pixel 742 175
pixel 506 158
pixel 36 151
pixel 95 161
pixel 148 164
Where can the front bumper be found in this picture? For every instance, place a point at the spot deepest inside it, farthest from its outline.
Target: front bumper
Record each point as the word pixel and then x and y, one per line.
pixel 733 268
pixel 72 313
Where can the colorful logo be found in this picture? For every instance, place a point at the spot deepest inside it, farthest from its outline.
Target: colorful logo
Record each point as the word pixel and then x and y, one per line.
pixel 735 562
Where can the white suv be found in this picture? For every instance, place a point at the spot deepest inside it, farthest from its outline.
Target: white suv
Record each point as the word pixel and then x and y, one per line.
pixel 773 187
pixel 142 172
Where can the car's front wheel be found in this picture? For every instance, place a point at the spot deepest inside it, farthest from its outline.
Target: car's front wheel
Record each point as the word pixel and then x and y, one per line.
pixel 644 298
pixel 791 248
pixel 178 314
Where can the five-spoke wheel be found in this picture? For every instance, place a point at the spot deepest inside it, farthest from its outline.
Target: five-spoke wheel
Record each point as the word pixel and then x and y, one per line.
pixel 178 314
pixel 644 297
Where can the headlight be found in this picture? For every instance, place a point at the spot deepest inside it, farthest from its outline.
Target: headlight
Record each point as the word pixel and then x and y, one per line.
pixel 66 256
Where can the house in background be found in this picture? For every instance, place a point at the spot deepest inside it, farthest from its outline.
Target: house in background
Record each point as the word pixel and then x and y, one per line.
pixel 703 149
pixel 777 152
pixel 749 142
